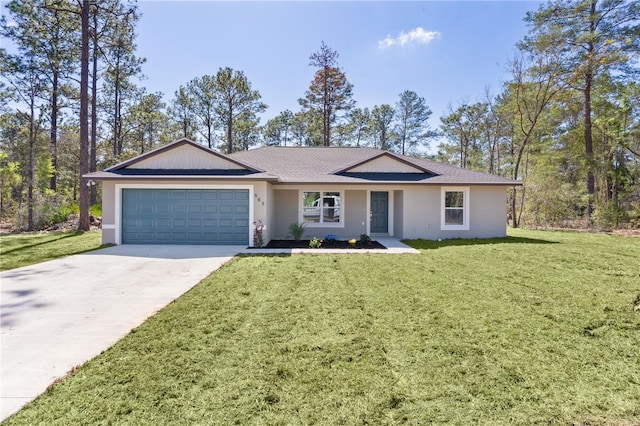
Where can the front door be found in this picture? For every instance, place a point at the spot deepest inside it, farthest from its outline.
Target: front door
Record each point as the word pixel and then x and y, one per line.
pixel 379 212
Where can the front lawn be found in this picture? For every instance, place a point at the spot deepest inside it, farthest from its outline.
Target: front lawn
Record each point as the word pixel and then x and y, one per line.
pixel 27 249
pixel 538 328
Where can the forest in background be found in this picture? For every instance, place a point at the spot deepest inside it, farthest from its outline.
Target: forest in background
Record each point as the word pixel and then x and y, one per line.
pixel 566 122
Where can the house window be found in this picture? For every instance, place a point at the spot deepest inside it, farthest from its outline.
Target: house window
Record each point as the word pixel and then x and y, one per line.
pixel 322 207
pixel 455 209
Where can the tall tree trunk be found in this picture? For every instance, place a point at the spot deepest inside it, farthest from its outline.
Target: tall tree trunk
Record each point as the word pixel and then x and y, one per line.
pixel 83 224
pixel 94 110
pixel 117 129
pixel 588 139
pixel 30 172
pixel 209 133
pixel 53 184
pixel 230 128
pixel 515 222
pixel 325 110
pixel 588 147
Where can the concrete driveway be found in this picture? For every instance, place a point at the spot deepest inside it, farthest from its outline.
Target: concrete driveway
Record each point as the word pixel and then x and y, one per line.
pixel 59 314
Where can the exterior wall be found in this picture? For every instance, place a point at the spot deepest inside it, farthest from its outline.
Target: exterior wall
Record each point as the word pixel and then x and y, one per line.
pixel 285 212
pixel 108 212
pixel 260 208
pixel 487 213
pixel 112 193
pixel 269 220
pixel 421 213
pixel 398 207
pixel 356 215
pixel 354 206
pixel 414 211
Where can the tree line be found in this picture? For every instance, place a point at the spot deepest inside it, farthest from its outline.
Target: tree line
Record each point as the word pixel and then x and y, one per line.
pixel 566 122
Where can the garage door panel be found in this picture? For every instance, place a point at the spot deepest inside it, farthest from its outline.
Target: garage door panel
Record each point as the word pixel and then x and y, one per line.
pixel 189 216
pixel 227 195
pixel 146 223
pixel 178 194
pixel 241 195
pixel 195 223
pixel 239 209
pixel 241 223
pixel 163 195
pixel 179 223
pixel 163 209
pixel 225 223
pixel 177 209
pixel 228 236
pixel 163 236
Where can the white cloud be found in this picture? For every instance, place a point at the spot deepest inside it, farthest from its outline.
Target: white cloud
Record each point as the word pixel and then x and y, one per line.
pixel 417 36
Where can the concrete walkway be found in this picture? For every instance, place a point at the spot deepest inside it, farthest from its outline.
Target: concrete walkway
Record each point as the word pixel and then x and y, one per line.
pixel 59 314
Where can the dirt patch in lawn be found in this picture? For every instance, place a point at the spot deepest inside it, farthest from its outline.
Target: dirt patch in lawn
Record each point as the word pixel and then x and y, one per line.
pixel 339 244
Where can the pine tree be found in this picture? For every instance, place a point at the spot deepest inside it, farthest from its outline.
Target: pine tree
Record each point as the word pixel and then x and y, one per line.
pixel 330 92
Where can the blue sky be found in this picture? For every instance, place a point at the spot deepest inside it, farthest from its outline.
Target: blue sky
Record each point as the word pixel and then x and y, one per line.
pixel 446 51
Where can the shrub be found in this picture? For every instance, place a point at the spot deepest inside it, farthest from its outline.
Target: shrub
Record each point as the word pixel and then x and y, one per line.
pixel 331 239
pixel 258 237
pixel 609 216
pixel 315 243
pixel 49 208
pixel 365 239
pixel 296 231
pixel 96 210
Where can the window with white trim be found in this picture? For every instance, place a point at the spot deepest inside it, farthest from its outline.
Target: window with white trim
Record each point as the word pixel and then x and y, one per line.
pixel 322 208
pixel 455 208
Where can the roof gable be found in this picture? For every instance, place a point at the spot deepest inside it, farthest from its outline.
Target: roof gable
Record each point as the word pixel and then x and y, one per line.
pixel 385 162
pixel 182 155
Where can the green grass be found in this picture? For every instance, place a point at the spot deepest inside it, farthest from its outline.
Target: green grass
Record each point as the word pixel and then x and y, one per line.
pixel 538 328
pixel 27 249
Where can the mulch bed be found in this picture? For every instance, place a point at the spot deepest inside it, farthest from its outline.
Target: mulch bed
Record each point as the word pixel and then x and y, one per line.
pixel 340 244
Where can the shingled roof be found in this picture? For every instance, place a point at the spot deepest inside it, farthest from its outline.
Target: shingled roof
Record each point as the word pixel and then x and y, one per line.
pixel 303 165
pixel 294 165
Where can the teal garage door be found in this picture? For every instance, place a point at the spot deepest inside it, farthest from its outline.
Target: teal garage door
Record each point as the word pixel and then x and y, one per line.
pixel 185 216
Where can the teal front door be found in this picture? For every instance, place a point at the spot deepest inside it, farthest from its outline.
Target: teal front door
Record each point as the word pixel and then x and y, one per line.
pixel 379 212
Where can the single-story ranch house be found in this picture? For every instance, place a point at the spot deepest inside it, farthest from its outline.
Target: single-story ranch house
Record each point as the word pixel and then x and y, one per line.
pixel 184 193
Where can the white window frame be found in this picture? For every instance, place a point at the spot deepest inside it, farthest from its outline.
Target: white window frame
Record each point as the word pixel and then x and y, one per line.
pixel 339 224
pixel 465 208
